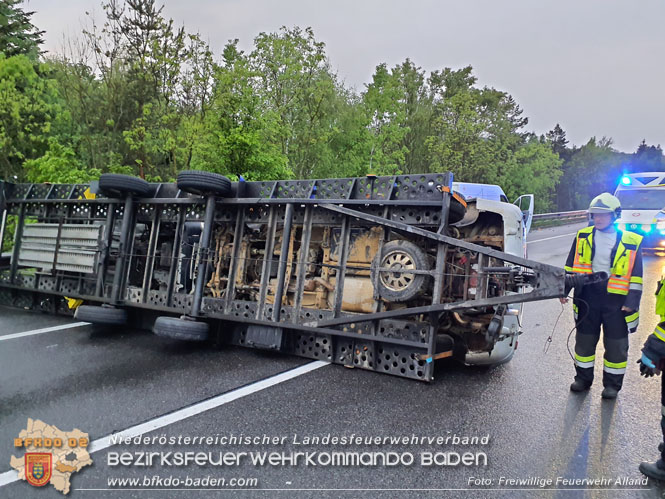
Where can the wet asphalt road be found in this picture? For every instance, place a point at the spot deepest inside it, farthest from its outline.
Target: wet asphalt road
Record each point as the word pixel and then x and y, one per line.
pixel 104 380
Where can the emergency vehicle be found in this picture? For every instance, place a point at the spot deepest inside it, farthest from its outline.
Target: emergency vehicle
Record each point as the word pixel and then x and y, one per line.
pixel 642 197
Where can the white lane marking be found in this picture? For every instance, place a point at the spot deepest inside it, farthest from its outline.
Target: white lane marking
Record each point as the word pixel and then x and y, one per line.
pixel 553 237
pixel 44 330
pixel 187 412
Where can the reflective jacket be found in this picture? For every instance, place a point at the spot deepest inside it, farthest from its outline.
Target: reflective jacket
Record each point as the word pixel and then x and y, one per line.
pixel 626 272
pixel 654 346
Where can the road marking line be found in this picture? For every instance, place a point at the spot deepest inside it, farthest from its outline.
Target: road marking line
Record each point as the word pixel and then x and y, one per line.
pixel 44 330
pixel 553 237
pixel 187 412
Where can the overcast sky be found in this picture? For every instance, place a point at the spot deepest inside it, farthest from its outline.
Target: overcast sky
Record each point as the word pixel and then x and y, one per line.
pixel 597 67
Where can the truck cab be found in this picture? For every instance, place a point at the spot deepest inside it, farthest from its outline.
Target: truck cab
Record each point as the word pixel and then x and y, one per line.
pixel 511 222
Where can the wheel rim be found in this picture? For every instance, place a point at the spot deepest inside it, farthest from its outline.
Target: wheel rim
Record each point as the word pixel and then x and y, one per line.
pixel 398 261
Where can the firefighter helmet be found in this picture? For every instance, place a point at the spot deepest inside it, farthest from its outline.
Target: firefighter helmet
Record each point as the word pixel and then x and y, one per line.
pixel 605 203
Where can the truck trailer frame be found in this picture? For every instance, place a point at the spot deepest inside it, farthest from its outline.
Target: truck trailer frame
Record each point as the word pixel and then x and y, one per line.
pixel 380 273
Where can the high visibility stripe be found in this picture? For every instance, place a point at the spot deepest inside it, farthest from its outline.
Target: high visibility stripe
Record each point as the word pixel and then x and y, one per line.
pixel 636 279
pixel 584 362
pixel 635 287
pixel 568 269
pixel 659 333
pixel 615 365
pixel 632 317
pixel 632 321
pixel 582 271
pixel 613 370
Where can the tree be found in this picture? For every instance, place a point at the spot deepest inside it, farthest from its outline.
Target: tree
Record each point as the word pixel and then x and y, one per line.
pixel 18 36
pixel 400 113
pixel 475 131
pixel 534 169
pixel 28 108
pixel 292 75
pixel 386 123
pixel 556 138
pixel 592 169
pixel 647 159
pixel 241 138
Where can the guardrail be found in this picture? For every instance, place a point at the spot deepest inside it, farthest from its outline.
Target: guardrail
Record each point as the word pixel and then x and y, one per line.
pixel 563 215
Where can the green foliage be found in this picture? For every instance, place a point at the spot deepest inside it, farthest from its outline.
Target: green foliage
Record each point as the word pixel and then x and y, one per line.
pixel 18 36
pixel 591 169
pixel 533 169
pixel 59 164
pixel 27 108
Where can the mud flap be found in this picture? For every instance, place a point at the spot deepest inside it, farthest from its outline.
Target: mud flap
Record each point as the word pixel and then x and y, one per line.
pixel 265 337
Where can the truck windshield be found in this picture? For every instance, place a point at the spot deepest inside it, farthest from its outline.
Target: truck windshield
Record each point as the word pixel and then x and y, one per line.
pixel 642 199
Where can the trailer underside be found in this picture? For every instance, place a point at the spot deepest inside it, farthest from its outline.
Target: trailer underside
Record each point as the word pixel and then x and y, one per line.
pixel 380 273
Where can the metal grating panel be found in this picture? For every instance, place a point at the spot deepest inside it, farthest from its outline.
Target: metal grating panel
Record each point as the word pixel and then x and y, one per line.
pixel 77 247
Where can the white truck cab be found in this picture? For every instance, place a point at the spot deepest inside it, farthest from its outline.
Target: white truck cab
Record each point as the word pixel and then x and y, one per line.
pixel 516 222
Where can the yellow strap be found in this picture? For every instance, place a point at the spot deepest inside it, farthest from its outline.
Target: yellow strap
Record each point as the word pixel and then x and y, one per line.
pixel 73 303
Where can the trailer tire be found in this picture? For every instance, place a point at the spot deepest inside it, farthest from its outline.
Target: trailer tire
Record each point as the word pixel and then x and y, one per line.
pixel 400 254
pixel 101 315
pixel 180 329
pixel 116 185
pixel 202 183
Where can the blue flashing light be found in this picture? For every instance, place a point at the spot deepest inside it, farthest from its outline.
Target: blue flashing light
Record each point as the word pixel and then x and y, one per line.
pixel 662 232
pixel 626 180
pixel 646 228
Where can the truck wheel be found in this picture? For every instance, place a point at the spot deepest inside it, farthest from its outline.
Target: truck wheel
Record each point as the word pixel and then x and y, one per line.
pixel 180 329
pixel 202 183
pixel 400 255
pixel 101 315
pixel 116 185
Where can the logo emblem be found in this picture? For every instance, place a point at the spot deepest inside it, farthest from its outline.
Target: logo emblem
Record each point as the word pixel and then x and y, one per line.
pixel 37 468
pixel 636 214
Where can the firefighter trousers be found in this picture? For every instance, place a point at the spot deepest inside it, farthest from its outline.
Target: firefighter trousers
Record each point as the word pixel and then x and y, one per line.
pixel 596 308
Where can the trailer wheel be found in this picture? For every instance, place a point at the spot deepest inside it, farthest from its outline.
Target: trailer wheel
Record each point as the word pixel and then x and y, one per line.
pixel 116 185
pixel 198 182
pixel 397 286
pixel 101 315
pixel 180 329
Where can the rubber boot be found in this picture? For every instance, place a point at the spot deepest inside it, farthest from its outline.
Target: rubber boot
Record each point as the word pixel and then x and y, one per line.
pixel 579 386
pixel 654 470
pixel 609 393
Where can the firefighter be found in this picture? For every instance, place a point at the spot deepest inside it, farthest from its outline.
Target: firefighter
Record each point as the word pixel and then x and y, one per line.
pixel 651 363
pixel 613 304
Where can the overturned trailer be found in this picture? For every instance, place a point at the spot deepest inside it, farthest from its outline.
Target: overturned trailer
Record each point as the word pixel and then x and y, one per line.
pixel 380 273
